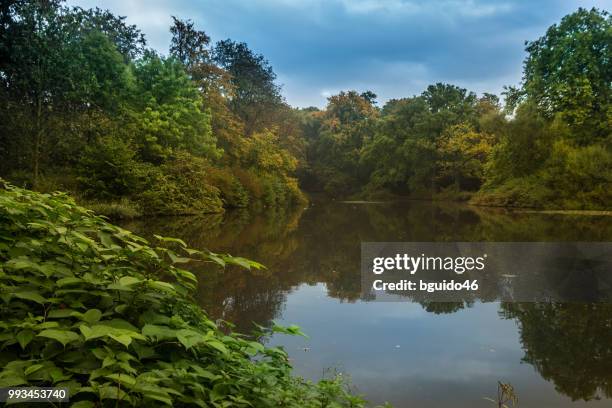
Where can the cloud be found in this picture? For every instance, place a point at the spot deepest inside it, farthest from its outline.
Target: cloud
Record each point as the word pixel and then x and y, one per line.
pixel 392 47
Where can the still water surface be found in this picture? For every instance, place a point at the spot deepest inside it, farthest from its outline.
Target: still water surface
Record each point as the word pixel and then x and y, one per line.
pixel 410 354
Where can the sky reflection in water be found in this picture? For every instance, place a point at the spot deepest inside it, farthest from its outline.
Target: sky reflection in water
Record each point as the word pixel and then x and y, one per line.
pixel 410 354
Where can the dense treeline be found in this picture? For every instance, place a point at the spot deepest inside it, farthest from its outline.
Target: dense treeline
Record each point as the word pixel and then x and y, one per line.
pixel 87 107
pixel 550 145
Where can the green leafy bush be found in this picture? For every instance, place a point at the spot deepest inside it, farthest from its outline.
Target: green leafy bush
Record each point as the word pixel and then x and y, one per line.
pixel 573 178
pixel 270 190
pixel 249 179
pixel 580 176
pixel 233 193
pixel 182 189
pixel 92 307
pixel 107 169
pixel 528 192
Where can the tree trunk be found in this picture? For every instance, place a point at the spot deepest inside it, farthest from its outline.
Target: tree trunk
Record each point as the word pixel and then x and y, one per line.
pixel 37 143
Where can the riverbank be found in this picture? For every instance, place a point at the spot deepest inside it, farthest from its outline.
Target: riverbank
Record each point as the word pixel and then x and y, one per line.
pixel 570 212
pixel 480 199
pixel 185 186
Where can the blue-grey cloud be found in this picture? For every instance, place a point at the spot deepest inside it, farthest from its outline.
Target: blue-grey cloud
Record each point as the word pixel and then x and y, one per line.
pixel 392 47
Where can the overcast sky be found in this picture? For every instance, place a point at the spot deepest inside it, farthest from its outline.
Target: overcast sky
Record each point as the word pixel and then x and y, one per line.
pixel 393 47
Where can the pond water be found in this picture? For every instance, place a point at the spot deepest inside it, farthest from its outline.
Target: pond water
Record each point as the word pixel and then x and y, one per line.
pixel 411 354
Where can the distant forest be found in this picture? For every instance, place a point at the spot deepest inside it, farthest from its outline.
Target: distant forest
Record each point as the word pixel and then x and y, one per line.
pixel 87 107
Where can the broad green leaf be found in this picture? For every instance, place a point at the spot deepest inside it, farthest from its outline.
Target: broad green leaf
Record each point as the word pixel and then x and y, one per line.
pixel 118 286
pixel 129 280
pixel 192 252
pixel 111 392
pixel 32 369
pixel 30 295
pixel 160 285
pixel 123 379
pixel 160 398
pixel 83 237
pixel 245 263
pixel 216 344
pixel 61 313
pixel 100 353
pixel 177 259
pixel 101 329
pixel 119 324
pixel 124 339
pixel 143 352
pixel 168 239
pixel 24 338
pixel 106 239
pixel 218 392
pixel 72 280
pixel 63 336
pixel 21 263
pixel 91 316
pixel 12 381
pixel 61 230
pixel 292 330
pixel 189 338
pixel 47 325
pixel 99 372
pixel 256 346
pixel 205 373
pixel 159 332
pixel 58 375
pixel 186 274
pixel 216 259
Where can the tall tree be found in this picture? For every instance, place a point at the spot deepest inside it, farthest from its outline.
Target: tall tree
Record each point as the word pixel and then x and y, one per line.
pixel 57 63
pixel 188 45
pixel 171 111
pixel 346 126
pixel 256 96
pixel 192 47
pixel 568 73
pixel 128 39
pixel 34 68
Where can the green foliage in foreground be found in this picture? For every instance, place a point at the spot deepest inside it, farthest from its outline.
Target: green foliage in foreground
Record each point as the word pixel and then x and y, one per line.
pixel 92 307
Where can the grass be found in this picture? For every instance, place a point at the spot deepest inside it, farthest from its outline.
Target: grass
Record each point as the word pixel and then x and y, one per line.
pixel 123 209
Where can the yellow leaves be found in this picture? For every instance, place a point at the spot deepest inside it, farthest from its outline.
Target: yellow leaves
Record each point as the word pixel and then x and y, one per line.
pixel 262 151
pixel 463 152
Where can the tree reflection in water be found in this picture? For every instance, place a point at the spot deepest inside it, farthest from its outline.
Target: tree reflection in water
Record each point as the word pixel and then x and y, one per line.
pixel 569 344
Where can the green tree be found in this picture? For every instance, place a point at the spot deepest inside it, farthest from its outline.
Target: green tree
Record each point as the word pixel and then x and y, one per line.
pixel 34 68
pixel 403 154
pixel 57 63
pixel 568 72
pixel 172 115
pixel 192 48
pixel 569 344
pixel 346 125
pixel 188 45
pixel 463 153
pixel 400 155
pixel 523 148
pixel 255 94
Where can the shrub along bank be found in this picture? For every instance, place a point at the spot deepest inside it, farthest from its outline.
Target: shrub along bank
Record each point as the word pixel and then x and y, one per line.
pixel 89 306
